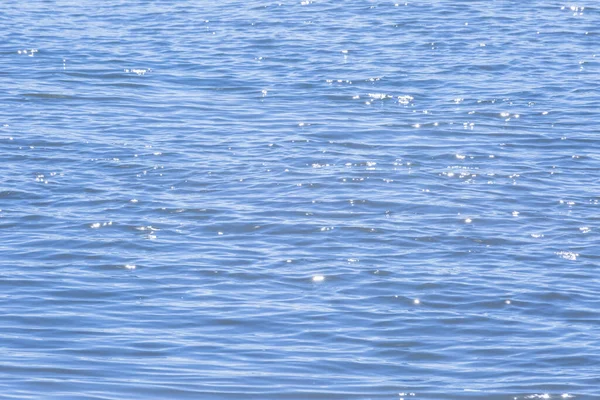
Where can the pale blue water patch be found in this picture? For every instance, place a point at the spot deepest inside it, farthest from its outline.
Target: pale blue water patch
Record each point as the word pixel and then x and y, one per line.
pixel 293 200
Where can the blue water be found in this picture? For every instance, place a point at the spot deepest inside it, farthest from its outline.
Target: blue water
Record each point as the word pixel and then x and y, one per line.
pixel 299 200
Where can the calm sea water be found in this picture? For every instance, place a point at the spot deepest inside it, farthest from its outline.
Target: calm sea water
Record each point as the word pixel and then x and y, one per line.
pixel 299 199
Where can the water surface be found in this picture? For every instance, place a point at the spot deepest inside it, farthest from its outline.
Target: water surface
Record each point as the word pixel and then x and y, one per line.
pixel 299 200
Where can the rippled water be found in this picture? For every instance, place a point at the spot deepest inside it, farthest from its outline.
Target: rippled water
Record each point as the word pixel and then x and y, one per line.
pixel 299 200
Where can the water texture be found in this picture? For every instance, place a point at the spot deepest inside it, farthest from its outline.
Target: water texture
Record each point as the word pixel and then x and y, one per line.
pixel 299 199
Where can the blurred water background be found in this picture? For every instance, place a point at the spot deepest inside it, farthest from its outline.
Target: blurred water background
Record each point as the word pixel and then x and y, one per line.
pixel 299 199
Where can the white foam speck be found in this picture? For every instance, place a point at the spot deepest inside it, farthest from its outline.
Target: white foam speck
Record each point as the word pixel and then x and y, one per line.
pixel 468 221
pixel 379 96
pixel 417 301
pixel 139 71
pixel 318 278
pixel 129 266
pixel 405 99
pixel 567 255
pixel 95 225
